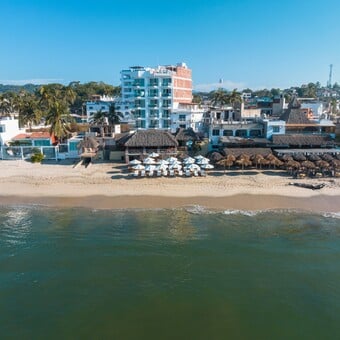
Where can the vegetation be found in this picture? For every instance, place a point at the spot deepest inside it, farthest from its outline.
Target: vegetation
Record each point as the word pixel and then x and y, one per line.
pixel 53 104
pixel 37 156
pixel 222 97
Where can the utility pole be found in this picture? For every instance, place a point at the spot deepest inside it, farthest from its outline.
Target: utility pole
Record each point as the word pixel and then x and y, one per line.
pixel 329 83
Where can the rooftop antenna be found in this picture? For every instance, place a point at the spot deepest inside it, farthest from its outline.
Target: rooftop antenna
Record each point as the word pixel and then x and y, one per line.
pixel 329 83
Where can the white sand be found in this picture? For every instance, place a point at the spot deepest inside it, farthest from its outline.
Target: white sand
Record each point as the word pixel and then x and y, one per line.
pixel 61 180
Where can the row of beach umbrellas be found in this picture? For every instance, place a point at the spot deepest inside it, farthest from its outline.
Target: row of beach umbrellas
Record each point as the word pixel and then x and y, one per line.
pixel 150 163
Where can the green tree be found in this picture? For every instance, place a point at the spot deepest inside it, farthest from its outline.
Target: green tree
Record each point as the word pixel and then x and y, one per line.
pixel 220 97
pixel 100 119
pixel 28 110
pixel 234 97
pixel 59 119
pixel 196 98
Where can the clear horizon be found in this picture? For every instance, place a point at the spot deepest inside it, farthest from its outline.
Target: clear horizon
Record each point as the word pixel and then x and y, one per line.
pixel 255 44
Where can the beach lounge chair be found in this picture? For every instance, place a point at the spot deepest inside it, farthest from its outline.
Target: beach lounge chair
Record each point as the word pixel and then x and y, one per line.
pixel 142 173
pixel 180 173
pixel 187 173
pixel 135 173
pixel 159 173
pixel 203 173
pixel 196 173
pixel 151 173
pixel 165 173
pixel 172 173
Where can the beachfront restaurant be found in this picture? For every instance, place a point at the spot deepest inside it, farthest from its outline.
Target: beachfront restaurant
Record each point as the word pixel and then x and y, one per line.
pixel 144 142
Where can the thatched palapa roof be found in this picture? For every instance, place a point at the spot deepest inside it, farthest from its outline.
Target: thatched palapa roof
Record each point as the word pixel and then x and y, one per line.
pixel 184 135
pixel 302 140
pixel 151 138
pixel 247 151
pixel 294 115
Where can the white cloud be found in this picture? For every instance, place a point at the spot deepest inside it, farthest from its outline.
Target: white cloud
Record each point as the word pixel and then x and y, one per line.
pixel 36 81
pixel 226 84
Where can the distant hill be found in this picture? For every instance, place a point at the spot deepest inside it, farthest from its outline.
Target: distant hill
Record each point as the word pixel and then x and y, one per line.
pixel 17 88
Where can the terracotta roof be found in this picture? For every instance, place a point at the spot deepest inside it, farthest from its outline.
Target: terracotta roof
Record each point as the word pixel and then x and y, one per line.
pixel 33 135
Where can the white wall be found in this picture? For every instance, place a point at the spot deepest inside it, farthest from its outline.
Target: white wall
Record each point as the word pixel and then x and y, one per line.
pixel 11 127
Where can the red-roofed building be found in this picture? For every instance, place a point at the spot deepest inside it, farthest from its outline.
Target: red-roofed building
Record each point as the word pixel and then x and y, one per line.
pixel 35 139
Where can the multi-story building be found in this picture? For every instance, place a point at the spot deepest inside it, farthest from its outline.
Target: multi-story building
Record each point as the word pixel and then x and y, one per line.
pixel 187 116
pixel 151 94
pixel 97 103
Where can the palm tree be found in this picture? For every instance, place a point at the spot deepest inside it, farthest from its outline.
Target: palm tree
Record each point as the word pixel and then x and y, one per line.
pixel 8 103
pixel 4 106
pixel 234 98
pixel 220 98
pixel 100 119
pixel 28 111
pixel 113 116
pixel 56 99
pixel 57 118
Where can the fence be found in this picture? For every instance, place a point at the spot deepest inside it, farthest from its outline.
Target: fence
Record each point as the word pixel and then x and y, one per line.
pixel 25 152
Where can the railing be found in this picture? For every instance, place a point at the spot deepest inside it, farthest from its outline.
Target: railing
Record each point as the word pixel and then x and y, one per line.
pixel 25 152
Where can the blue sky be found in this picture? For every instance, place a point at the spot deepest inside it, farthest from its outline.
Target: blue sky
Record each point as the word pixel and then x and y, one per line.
pixel 247 43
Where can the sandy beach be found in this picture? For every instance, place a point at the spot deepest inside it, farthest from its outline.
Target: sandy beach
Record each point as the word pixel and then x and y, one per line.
pixel 109 186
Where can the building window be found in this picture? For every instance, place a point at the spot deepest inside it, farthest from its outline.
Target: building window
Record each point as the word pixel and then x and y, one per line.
pixel 153 103
pixel 166 81
pixel 153 82
pixel 166 93
pixel 166 113
pixel 276 129
pixel 166 103
pixel 140 103
pixel 90 107
pixel 2 128
pixel 166 124
pixel 154 114
pixel 227 133
pixel 182 126
pixel 181 118
pixel 153 93
pixel 139 82
pixel 215 132
pixel 153 124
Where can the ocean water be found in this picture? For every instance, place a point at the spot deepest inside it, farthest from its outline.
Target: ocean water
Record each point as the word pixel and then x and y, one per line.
pixel 168 274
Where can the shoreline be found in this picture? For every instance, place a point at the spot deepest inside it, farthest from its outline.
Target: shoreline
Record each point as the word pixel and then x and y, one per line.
pixel 109 186
pixel 242 202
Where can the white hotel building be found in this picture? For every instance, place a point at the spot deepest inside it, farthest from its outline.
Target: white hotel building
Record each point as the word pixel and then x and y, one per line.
pixel 154 95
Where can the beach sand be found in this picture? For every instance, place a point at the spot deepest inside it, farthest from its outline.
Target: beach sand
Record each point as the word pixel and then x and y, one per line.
pixel 108 186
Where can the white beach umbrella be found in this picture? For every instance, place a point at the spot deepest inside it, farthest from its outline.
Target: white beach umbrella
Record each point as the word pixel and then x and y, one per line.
pixel 189 160
pixel 149 160
pixel 172 159
pixel 162 162
pixel 135 162
pixel 193 167
pixel 176 166
pixel 150 167
pixel 203 161
pixel 161 167
pixel 154 155
pixel 198 157
pixel 207 166
pixel 138 167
